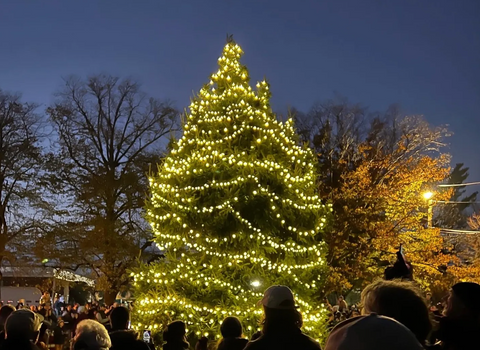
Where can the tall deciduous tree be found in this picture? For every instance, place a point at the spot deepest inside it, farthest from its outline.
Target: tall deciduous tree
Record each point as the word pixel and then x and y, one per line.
pixel 21 134
pixel 374 171
pixel 109 134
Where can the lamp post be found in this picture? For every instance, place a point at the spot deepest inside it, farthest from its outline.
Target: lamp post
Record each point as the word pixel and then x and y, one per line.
pixel 428 197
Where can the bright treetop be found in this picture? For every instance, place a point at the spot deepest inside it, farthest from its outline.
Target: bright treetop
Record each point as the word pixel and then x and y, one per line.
pixel 234 206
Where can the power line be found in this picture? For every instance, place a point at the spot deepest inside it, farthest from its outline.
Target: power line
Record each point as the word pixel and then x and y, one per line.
pixel 468 232
pixel 456 202
pixel 460 185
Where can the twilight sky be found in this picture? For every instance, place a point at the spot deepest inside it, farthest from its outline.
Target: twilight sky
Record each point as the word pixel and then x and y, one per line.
pixel 422 54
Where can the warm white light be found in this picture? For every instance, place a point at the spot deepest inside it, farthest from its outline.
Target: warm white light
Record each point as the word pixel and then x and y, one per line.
pixel 428 195
pixel 256 283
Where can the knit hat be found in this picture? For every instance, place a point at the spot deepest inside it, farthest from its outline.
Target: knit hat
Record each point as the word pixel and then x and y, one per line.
pixel 278 297
pixel 371 332
pixel 469 294
pixel 24 323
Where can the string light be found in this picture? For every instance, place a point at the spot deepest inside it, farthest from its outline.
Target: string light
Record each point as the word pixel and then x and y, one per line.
pixel 235 200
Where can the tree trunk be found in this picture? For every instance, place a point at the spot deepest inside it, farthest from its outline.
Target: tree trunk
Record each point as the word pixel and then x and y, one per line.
pixel 109 297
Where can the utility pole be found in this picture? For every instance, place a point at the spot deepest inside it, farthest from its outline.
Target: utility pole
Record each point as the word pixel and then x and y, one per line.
pixel 430 214
pixel 428 196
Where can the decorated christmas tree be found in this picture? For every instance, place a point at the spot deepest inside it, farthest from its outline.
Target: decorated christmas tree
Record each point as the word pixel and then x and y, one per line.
pixel 234 207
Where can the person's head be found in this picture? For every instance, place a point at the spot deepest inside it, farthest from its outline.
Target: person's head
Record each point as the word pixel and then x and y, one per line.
pixel 231 328
pixel 119 318
pixel 23 324
pixel 428 296
pixel 401 301
pixel 464 302
pixel 280 312
pixel 5 311
pixel 91 335
pixel 202 344
pixel 69 307
pixel 340 298
pixel 175 332
pixel 371 333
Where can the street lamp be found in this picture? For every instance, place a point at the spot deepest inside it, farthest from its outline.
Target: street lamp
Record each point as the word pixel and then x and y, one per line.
pixel 428 197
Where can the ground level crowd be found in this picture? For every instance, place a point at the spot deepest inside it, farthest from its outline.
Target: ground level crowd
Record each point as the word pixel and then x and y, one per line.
pixel 394 315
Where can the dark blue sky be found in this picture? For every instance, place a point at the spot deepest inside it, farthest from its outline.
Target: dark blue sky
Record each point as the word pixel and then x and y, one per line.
pixel 422 54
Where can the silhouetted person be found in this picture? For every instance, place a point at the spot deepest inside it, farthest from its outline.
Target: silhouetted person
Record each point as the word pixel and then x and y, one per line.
pixel 202 344
pixel 401 269
pixel 174 336
pixel 5 311
pixel 282 323
pixel 402 301
pixel 460 328
pixel 232 333
pixel 22 330
pixel 91 335
pixel 122 338
pixel 371 332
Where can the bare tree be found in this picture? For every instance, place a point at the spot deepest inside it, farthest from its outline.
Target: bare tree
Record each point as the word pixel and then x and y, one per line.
pixel 109 134
pixel 21 134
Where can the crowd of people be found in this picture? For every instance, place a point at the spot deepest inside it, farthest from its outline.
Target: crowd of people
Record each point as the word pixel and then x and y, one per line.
pixel 395 315
pixel 59 326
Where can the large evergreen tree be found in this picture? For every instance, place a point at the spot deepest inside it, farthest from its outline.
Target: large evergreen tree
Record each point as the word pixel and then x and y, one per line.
pixel 235 208
pixel 454 213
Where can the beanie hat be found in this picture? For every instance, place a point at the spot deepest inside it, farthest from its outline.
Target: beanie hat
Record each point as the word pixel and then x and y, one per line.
pixel 371 332
pixel 469 294
pixel 278 297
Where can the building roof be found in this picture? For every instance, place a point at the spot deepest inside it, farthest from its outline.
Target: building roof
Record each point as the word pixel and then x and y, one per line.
pixel 44 272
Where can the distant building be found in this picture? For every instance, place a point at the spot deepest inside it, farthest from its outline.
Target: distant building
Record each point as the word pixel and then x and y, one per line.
pixel 31 276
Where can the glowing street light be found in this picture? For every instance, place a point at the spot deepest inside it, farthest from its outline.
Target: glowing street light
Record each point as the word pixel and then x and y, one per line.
pixel 428 195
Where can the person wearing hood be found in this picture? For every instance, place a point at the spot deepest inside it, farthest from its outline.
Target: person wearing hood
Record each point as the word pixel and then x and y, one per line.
pixel 122 338
pixel 460 327
pixel 174 336
pixel 232 332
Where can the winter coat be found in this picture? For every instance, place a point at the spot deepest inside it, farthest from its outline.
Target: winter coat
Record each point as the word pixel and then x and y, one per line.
pixel 18 344
pixel 458 335
pixel 295 340
pixel 126 340
pixel 176 345
pixel 232 344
